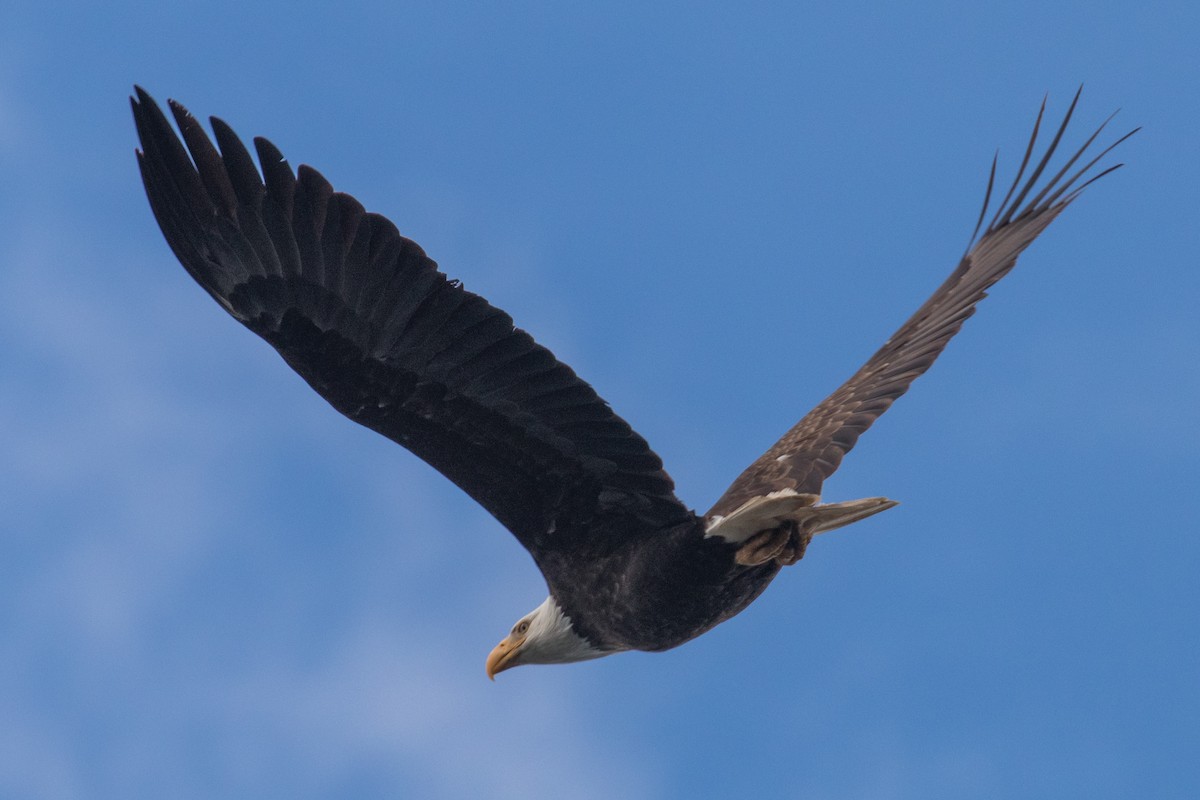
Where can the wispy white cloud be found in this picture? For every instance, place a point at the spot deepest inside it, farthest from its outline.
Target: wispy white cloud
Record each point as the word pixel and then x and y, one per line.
pixel 410 703
pixel 36 760
pixel 124 505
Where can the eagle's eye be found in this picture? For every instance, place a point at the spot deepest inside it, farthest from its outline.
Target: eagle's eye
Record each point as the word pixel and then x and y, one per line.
pixel 522 627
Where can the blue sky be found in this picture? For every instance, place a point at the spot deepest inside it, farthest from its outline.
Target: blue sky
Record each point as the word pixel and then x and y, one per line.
pixel 212 585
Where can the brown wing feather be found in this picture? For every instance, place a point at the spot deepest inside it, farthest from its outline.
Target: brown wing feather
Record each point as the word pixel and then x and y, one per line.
pixel 812 450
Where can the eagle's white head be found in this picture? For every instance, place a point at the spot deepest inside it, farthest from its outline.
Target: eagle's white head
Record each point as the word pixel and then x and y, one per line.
pixel 543 636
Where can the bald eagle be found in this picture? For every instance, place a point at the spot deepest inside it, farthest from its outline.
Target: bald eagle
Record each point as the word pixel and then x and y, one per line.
pixel 368 320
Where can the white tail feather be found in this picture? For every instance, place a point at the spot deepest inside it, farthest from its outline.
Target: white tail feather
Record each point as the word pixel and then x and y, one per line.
pixel 771 510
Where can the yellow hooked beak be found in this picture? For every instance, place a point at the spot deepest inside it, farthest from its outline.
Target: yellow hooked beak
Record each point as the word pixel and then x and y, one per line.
pixel 505 655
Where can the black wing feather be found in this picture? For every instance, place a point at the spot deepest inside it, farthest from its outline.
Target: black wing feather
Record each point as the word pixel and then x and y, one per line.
pixel 366 318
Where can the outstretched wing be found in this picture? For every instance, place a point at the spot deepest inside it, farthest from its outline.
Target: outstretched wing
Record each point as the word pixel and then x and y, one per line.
pixel 366 318
pixel 812 450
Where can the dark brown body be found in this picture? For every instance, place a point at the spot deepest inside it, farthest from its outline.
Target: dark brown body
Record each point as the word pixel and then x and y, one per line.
pixel 655 591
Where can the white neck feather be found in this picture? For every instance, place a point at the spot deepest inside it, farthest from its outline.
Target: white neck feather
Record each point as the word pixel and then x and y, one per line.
pixel 552 640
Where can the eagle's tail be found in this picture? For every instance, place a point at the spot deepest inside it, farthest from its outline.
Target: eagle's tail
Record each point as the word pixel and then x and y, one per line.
pixel 831 516
pixel 779 526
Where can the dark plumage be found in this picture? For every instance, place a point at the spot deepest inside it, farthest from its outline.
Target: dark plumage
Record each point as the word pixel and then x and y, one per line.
pixel 366 318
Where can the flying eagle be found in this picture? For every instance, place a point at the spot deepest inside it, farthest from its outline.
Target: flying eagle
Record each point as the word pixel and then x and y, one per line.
pixel 368 320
